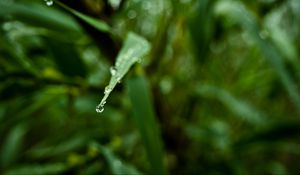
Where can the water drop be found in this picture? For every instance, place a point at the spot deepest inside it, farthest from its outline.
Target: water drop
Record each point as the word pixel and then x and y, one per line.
pixel 107 90
pixel 119 80
pixel 113 71
pixel 49 2
pixel 100 107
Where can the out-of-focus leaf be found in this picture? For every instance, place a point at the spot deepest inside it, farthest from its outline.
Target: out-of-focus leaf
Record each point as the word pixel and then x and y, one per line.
pixel 116 165
pixel 134 48
pixel 238 12
pixel 201 36
pixel 143 112
pixel 39 15
pixel 216 133
pixel 66 58
pixel 281 38
pixel 58 149
pixel 98 24
pixel 277 132
pixel 240 108
pixel 277 168
pixel 54 168
pixel 12 145
pixel 11 90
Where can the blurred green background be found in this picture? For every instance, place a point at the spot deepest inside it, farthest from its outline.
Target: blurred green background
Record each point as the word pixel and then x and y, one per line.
pixel 217 93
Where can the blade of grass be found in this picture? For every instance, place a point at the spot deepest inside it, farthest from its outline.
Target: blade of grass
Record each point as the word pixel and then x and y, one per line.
pixel 39 15
pixel 143 112
pixel 98 24
pixel 12 145
pixel 116 165
pixel 238 12
pixel 66 57
pixel 239 107
pixel 54 168
pixel 277 132
pixel 134 48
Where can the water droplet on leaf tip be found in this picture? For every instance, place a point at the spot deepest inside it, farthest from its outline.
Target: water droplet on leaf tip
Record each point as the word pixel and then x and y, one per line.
pixel 107 90
pixel 99 109
pixel 113 71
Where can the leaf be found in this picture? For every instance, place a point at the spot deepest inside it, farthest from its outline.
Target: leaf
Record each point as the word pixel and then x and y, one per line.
pixel 238 12
pixel 134 48
pixel 60 148
pixel 202 36
pixel 143 112
pixel 54 168
pixel 277 132
pixel 12 145
pixel 98 24
pixel 39 15
pixel 237 106
pixel 116 165
pixel 66 58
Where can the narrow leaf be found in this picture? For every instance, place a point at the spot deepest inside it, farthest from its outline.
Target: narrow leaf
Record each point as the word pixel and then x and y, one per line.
pixel 54 168
pixel 237 106
pixel 143 112
pixel 134 48
pixel 238 12
pixel 117 166
pixel 98 24
pixel 39 15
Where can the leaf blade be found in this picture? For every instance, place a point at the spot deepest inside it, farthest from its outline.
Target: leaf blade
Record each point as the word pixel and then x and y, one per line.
pixel 134 48
pixel 143 112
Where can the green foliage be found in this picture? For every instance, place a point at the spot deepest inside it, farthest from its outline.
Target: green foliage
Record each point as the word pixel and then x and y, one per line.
pixel 132 51
pixel 208 87
pixel 139 93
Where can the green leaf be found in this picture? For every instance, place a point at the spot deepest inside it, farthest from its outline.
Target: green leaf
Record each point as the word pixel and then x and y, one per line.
pixel 54 168
pixel 60 148
pixel 117 166
pixel 143 112
pixel 238 12
pixel 12 145
pixel 39 15
pixel 98 24
pixel 134 48
pixel 66 58
pixel 277 132
pixel 237 106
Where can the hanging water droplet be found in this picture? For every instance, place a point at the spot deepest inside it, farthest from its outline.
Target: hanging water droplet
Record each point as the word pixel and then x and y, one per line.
pixel 49 2
pixel 107 90
pixel 113 71
pixel 100 107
